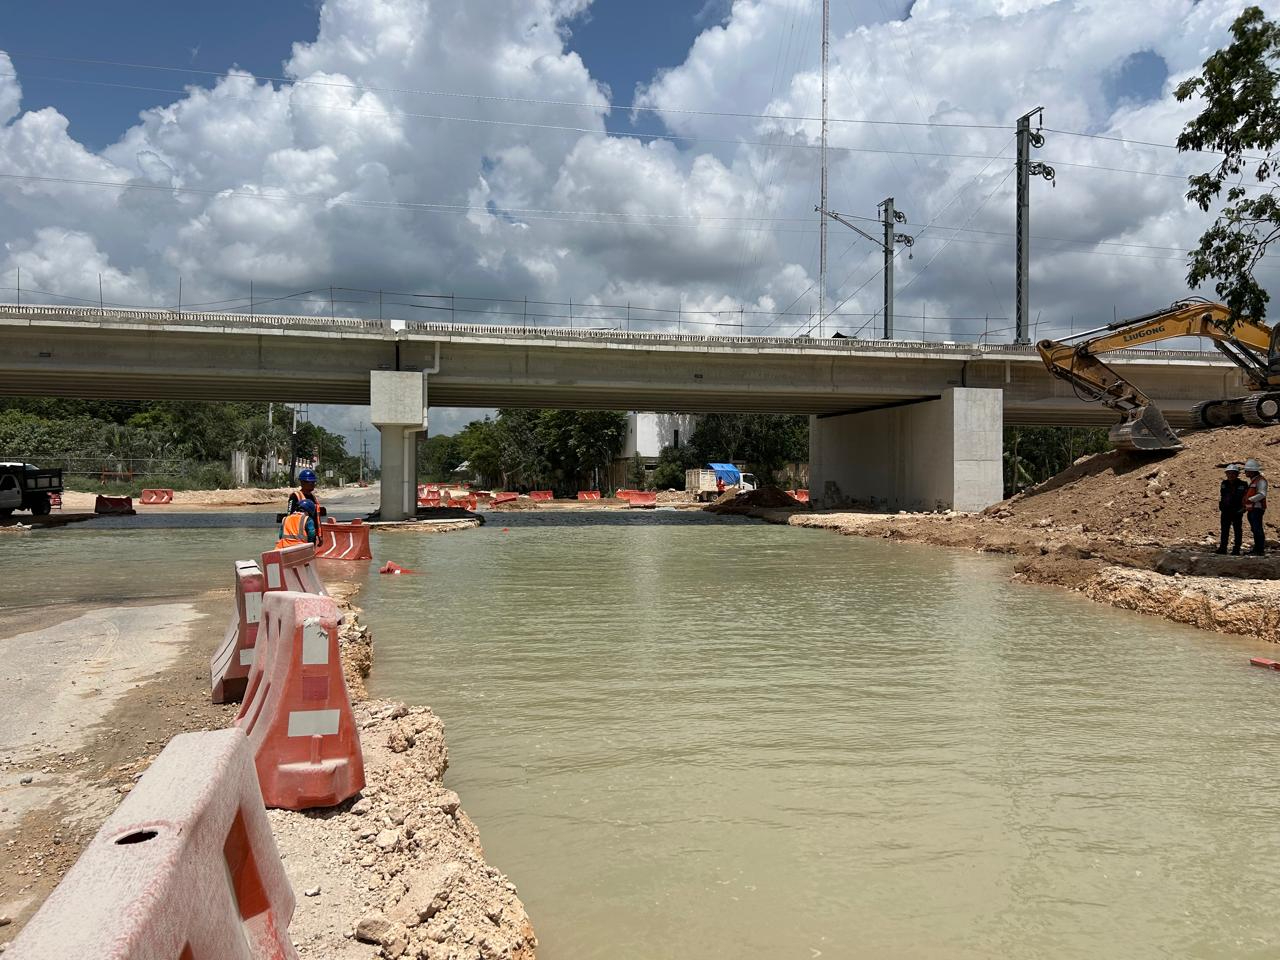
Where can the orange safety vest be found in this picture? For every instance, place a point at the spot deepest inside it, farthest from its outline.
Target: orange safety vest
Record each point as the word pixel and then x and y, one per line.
pixel 1253 491
pixel 293 531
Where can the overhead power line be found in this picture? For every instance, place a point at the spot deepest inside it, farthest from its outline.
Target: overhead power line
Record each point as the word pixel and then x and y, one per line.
pixel 497 98
pixel 602 104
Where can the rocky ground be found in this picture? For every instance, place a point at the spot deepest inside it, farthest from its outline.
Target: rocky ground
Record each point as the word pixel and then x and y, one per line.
pixel 399 872
pixel 396 872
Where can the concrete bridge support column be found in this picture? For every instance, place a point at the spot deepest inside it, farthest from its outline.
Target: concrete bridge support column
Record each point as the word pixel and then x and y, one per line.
pixel 398 408
pixel 923 455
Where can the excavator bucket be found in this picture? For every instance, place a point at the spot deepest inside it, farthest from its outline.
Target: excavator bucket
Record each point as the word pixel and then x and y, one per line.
pixel 1144 429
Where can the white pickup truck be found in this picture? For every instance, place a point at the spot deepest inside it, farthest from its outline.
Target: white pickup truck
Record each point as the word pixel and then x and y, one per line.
pixel 722 477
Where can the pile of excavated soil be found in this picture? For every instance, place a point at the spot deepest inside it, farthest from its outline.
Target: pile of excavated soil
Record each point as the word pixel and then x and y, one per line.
pixel 1169 499
pixel 765 498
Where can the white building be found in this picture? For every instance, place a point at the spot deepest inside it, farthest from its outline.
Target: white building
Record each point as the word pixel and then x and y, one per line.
pixel 647 435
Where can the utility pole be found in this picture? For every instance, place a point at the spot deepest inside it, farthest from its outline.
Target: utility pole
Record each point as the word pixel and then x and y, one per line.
pixel 890 218
pixel 1026 169
pixel 360 430
pixel 822 202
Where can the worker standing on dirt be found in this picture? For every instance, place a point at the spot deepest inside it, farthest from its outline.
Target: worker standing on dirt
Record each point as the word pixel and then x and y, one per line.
pixel 299 526
pixel 1231 508
pixel 1255 502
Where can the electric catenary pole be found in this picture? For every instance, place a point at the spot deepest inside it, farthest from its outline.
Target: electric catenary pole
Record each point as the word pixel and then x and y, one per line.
pixel 822 203
pixel 1026 169
pixel 890 217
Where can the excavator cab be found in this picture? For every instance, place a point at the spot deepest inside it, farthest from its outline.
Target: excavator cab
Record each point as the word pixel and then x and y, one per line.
pixel 1251 345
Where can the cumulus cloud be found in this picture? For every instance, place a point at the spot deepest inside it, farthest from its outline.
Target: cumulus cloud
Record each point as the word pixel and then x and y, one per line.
pixel 463 148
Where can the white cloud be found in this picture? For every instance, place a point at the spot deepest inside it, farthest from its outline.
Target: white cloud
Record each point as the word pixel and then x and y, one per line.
pixel 407 112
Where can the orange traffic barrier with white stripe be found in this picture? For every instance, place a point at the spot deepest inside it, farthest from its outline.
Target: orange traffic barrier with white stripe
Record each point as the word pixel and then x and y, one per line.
pixel 121 506
pixel 505 498
pixel 344 541
pixel 157 496
pixel 542 495
pixel 642 500
pixel 292 568
pixel 229 667
pixel 296 711
pixel 802 496
pixel 588 494
pixel 185 869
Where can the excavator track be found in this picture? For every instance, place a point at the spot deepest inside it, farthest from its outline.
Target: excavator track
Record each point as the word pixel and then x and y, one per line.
pixel 1255 410
pixel 1261 409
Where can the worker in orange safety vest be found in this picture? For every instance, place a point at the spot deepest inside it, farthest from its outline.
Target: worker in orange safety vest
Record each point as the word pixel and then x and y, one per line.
pixel 298 527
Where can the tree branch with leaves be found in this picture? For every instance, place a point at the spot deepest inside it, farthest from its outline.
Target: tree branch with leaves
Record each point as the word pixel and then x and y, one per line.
pixel 1240 119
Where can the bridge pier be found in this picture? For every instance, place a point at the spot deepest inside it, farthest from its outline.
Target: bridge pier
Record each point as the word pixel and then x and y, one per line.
pixel 935 454
pixel 398 408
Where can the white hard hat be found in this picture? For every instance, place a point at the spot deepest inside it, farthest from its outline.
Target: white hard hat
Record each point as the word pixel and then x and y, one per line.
pixel 1232 468
pixel 1252 464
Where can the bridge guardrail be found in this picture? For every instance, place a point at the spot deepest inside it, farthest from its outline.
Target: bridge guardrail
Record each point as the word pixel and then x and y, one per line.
pixel 427 328
pixel 189 317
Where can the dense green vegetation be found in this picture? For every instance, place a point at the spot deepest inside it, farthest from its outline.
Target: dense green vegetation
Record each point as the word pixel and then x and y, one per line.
pixel 1034 454
pixel 163 443
pixel 766 443
pixel 561 450
pixel 569 450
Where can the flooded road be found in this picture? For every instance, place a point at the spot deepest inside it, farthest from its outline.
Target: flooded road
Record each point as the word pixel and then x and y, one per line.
pixel 685 737
pixel 737 741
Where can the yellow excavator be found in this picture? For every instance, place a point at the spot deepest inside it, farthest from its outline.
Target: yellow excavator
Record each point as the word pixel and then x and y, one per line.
pixel 1251 345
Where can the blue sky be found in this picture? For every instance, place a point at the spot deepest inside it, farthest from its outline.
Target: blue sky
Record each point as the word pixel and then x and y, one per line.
pixel 622 42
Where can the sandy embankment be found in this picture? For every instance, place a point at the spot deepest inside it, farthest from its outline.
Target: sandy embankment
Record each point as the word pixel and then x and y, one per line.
pixel 401 865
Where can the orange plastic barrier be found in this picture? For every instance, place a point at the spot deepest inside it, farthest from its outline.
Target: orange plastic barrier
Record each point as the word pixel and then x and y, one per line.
pixel 483 495
pixel 802 496
pixel 55 501
pixel 625 494
pixel 344 541
pixel 229 667
pixel 645 501
pixel 394 569
pixel 1264 663
pixel 541 495
pixel 157 496
pixel 114 505
pixel 505 498
pixel 296 711
pixel 292 568
pixel 588 494
pixel 186 868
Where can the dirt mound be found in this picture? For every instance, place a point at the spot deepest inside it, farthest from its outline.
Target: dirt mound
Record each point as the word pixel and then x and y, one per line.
pixel 769 498
pixel 1167 499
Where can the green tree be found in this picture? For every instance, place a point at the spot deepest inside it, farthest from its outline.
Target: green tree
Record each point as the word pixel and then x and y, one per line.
pixel 1034 454
pixel 763 441
pixel 637 479
pixel 1240 119
pixel 439 456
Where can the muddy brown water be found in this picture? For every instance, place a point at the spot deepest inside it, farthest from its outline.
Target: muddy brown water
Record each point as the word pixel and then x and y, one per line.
pixel 685 737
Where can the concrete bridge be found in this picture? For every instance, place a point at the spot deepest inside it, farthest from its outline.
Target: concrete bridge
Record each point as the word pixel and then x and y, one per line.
pixel 906 424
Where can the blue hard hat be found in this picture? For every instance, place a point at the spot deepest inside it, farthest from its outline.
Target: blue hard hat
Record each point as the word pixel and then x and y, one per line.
pixel 307 476
pixel 306 506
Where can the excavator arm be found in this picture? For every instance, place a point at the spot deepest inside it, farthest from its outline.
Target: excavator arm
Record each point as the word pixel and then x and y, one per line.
pixel 1251 345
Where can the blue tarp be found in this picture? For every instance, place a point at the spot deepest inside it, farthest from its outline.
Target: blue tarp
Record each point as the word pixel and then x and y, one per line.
pixel 726 472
